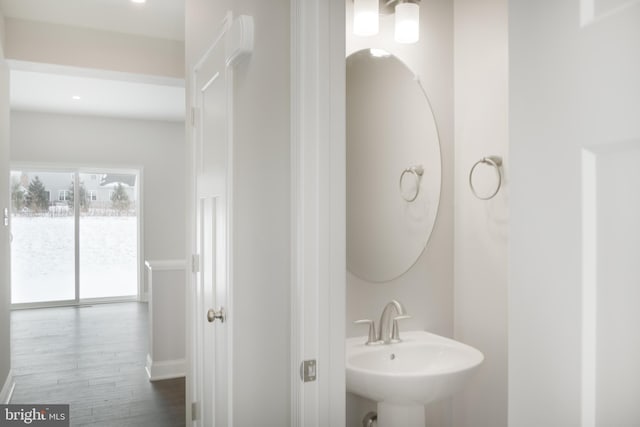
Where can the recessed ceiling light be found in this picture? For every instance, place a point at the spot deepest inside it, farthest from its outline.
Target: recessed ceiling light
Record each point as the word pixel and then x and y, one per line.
pixel 75 98
pixel 138 1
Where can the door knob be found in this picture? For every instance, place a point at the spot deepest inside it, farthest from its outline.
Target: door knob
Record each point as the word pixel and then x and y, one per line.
pixel 212 315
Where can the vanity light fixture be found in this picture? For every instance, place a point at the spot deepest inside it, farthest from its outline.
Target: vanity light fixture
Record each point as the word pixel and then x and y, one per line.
pixel 407 22
pixel 366 15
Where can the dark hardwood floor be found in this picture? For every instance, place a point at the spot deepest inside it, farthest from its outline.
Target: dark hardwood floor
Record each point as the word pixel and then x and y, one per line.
pixel 93 359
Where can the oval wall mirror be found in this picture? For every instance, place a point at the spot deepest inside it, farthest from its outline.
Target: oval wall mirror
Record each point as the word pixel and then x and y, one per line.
pixel 393 166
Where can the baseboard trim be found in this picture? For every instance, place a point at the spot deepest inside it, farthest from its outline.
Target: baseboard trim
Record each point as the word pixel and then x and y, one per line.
pixel 166 369
pixel 7 389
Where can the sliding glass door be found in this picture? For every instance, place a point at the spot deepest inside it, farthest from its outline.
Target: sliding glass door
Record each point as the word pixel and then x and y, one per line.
pixel 75 235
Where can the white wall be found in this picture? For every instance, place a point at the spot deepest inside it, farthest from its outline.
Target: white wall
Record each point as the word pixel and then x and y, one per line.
pixel 87 48
pixel 262 224
pixel 481 227
pixel 5 260
pixel 261 192
pixel 426 289
pixel 157 147
pixel 167 318
pixel 2 33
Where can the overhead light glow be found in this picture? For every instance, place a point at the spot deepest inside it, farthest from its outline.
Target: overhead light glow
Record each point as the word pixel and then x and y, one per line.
pixel 75 98
pixel 139 1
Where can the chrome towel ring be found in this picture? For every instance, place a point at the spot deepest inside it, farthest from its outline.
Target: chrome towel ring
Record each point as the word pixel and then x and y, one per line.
pixel 417 171
pixel 496 163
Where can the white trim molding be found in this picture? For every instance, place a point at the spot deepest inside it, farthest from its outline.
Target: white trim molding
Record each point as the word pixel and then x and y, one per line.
pixel 167 369
pixel 167 265
pixel 318 187
pixel 7 389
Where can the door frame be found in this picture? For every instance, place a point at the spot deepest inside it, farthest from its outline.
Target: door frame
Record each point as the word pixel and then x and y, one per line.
pixel 77 169
pixel 318 187
pixel 318 236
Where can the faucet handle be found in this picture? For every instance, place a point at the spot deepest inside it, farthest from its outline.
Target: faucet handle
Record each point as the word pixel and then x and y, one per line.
pixel 373 338
pixel 395 332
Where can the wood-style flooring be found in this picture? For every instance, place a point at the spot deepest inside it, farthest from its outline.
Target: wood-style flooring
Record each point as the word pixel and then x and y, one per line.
pixel 93 359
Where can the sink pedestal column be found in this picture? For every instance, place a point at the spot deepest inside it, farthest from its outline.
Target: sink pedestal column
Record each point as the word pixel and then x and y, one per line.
pixel 394 415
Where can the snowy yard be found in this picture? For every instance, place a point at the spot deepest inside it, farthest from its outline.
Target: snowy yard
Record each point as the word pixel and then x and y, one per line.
pixel 42 260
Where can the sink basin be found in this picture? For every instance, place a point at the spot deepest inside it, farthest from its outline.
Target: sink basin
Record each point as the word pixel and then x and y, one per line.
pixel 403 377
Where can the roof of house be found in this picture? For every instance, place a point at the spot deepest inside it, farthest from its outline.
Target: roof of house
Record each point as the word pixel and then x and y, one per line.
pixel 117 178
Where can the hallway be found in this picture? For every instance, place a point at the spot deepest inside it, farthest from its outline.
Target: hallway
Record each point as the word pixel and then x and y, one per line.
pixel 93 358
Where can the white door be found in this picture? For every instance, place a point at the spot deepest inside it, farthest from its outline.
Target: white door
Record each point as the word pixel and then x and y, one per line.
pixel 574 343
pixel 211 375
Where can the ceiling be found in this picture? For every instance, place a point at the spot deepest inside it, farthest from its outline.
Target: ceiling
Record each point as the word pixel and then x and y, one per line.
pixel 156 18
pixel 46 88
pixel 47 92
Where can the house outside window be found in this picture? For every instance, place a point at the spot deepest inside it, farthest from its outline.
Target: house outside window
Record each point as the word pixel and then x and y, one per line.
pixel 93 196
pixel 64 195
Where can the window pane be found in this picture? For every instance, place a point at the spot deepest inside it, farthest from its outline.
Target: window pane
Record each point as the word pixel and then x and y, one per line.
pixel 108 235
pixel 42 251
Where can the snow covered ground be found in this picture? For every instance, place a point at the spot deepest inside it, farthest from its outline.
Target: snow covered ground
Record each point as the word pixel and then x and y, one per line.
pixel 42 259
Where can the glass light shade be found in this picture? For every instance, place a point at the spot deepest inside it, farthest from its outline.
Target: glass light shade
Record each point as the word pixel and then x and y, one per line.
pixel 365 17
pixel 407 23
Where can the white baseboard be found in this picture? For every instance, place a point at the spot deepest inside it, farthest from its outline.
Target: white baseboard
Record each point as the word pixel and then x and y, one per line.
pixel 7 389
pixel 166 369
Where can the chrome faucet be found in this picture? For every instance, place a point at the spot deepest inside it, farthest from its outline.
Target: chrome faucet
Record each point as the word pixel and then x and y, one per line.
pixel 389 330
pixel 372 339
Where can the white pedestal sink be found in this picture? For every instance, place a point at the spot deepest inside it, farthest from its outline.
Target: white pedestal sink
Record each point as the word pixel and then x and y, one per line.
pixel 403 377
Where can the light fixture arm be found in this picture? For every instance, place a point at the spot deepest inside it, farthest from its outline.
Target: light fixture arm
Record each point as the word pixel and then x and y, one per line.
pixel 387 7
